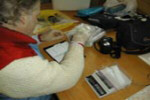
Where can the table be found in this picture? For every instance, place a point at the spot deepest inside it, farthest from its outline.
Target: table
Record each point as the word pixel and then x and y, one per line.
pixel 131 64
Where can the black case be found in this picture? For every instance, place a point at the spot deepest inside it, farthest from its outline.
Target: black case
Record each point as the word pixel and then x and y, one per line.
pixel 105 21
pixel 134 36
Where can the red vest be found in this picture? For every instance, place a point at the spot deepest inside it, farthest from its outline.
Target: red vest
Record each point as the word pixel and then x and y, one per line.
pixel 14 45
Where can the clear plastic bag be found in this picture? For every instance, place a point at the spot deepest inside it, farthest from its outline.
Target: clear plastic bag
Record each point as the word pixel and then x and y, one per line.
pixel 130 6
pixel 95 32
pixel 111 3
pixel 108 80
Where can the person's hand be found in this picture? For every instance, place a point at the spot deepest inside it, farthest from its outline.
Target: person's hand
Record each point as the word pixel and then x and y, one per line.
pixel 82 34
pixel 51 35
pixel 80 37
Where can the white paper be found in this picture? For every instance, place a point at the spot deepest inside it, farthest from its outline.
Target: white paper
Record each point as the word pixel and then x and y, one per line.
pixel 145 58
pixel 58 51
pixel 116 76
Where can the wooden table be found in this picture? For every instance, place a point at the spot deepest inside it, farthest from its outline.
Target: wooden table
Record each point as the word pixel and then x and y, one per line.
pixel 133 66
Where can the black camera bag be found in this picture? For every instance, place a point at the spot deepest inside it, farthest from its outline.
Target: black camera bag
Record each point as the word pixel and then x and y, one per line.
pixel 105 21
pixel 134 36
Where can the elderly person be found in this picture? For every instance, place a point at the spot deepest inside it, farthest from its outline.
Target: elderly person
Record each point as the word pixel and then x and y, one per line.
pixel 23 73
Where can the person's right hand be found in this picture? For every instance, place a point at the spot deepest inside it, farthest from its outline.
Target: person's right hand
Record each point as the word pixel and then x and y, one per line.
pixel 82 34
pixel 80 37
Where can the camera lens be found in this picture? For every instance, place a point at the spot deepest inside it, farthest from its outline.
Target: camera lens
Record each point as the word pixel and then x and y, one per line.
pixel 106 45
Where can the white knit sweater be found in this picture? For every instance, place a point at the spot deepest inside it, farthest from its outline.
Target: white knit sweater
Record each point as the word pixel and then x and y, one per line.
pixel 33 76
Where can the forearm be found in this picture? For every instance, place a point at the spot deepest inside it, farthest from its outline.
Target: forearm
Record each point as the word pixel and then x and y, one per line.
pixel 72 66
pixel 74 58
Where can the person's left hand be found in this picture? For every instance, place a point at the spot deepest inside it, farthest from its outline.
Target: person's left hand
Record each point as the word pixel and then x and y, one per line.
pixel 51 35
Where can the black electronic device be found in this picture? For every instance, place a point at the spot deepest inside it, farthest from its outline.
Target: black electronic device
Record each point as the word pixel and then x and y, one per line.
pixel 107 46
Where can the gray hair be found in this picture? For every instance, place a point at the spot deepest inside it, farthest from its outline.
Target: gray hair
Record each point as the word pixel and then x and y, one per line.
pixel 10 10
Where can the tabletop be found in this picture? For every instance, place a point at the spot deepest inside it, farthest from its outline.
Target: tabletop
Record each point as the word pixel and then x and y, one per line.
pixel 136 69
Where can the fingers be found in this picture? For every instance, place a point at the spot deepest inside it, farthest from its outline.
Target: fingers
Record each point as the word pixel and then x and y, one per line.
pixel 80 38
pixel 52 35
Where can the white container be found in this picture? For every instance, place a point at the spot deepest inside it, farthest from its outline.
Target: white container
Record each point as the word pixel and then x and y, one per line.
pixel 70 4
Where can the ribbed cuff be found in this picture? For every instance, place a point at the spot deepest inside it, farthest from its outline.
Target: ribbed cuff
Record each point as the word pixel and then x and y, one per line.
pixel 77 43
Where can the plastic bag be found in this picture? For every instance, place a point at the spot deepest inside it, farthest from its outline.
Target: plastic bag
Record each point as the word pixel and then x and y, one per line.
pixel 108 80
pixel 131 6
pixel 111 3
pixel 95 33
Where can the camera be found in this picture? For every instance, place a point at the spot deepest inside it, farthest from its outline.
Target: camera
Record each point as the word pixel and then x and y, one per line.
pixel 107 46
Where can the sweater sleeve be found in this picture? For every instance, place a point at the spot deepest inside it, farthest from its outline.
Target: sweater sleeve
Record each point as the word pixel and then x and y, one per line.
pixel 33 76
